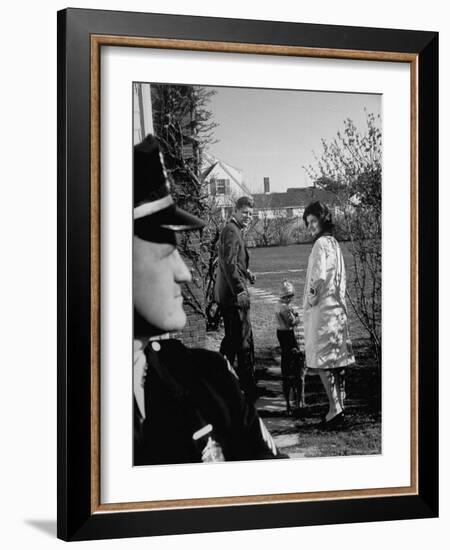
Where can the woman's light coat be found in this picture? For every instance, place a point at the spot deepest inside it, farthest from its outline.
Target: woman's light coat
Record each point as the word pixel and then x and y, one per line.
pixel 327 342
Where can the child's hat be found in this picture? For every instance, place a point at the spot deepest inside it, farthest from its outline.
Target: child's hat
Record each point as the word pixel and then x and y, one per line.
pixel 286 289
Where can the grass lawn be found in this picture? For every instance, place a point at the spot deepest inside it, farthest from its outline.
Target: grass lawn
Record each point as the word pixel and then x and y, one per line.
pixel 274 264
pixel 361 431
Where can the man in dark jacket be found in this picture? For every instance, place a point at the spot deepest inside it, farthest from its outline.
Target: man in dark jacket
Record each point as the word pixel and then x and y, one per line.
pixel 188 406
pixel 232 295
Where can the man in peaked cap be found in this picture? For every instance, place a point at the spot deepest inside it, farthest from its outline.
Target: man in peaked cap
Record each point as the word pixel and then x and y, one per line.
pixel 188 406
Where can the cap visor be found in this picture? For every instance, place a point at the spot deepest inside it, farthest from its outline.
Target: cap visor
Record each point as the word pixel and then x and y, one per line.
pixel 176 219
pixel 162 226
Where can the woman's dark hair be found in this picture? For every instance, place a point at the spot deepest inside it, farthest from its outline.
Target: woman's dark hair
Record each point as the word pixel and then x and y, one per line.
pixel 321 212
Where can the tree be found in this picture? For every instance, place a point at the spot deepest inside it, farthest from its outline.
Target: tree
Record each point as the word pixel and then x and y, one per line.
pixel 262 229
pixel 350 167
pixel 273 226
pixel 184 126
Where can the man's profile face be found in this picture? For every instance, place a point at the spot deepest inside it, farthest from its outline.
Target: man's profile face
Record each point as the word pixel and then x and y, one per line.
pixel 158 271
pixel 244 216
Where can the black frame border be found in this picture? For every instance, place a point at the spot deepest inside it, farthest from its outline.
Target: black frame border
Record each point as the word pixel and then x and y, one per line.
pixel 75 520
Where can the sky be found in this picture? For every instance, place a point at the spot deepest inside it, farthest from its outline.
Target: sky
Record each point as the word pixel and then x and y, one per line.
pixel 273 133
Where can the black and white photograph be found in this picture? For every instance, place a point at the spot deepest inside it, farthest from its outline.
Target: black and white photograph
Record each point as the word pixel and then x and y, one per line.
pixel 247 274
pixel 257 273
pixel 224 285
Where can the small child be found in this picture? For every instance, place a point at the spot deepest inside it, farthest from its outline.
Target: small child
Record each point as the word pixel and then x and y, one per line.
pixel 287 319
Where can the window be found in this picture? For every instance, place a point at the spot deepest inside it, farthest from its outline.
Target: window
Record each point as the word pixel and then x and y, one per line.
pixel 223 187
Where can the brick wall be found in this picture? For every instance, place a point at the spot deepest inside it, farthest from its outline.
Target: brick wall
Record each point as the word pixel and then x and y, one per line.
pixel 194 333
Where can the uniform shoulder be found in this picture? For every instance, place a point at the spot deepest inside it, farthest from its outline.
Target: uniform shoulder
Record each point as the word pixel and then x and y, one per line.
pixel 206 358
pixel 170 350
pixel 212 366
pixel 200 361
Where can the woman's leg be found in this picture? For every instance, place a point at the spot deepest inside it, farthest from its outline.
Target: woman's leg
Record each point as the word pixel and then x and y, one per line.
pixel 329 383
pixel 340 383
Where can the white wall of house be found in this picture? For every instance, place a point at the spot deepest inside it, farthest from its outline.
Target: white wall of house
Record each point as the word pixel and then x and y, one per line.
pixel 287 212
pixel 225 183
pixel 142 112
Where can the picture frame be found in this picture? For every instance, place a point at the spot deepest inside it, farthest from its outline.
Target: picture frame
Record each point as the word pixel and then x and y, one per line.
pixel 81 36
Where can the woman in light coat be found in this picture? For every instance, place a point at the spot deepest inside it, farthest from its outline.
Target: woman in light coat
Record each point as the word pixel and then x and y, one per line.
pixel 327 344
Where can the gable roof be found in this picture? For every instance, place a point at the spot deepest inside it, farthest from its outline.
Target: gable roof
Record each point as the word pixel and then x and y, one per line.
pixel 235 174
pixel 208 169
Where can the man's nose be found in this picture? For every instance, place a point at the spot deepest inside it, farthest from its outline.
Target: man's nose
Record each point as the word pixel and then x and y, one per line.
pixel 182 272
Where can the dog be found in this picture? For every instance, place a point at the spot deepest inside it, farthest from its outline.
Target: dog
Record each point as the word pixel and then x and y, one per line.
pixel 293 375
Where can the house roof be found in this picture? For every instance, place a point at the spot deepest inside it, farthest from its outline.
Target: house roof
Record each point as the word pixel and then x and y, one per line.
pixel 298 197
pixel 235 174
pixel 208 169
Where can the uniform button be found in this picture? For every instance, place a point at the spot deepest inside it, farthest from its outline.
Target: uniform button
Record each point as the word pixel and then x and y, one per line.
pixel 156 346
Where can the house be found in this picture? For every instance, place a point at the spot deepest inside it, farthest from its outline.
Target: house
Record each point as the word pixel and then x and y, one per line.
pixel 292 203
pixel 224 183
pixel 277 217
pixel 142 111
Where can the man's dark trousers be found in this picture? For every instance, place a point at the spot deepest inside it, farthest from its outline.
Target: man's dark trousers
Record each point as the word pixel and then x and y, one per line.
pixel 231 283
pixel 238 341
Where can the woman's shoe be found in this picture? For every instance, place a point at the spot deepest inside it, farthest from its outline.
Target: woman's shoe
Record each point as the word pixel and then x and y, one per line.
pixel 323 418
pixel 333 422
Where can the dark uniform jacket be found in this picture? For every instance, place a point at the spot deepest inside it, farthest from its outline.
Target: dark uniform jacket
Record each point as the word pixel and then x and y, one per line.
pixel 232 265
pixel 186 389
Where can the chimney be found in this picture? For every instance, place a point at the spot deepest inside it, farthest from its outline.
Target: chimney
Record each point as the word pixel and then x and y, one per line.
pixel 266 185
